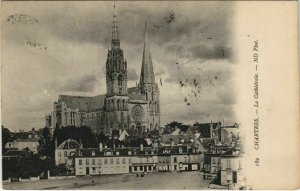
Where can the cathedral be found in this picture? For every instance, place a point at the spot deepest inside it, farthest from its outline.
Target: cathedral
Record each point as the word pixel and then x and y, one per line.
pixel 121 108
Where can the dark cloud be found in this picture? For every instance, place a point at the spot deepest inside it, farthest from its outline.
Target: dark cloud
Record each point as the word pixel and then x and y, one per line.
pixel 85 83
pixel 211 52
pixel 77 35
pixel 132 74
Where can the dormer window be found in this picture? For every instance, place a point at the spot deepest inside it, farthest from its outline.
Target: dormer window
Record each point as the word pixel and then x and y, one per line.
pixel 180 150
pixel 117 153
pixel 93 153
pixel 108 153
pixel 80 153
pixel 129 152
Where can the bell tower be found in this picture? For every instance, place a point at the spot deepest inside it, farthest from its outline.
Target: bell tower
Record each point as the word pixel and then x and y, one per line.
pixel 148 85
pixel 116 101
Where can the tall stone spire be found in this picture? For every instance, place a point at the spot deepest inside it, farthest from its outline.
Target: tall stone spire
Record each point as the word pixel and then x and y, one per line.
pixel 115 42
pixel 147 72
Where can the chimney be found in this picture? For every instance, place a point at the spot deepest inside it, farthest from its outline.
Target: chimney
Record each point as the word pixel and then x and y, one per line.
pixel 141 147
pixel 172 143
pixel 101 147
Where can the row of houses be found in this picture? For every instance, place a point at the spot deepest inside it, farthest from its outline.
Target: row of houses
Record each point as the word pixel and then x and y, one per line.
pixel 103 160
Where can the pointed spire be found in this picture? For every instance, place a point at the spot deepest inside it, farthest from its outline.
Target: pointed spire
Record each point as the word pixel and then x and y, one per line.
pixel 115 42
pixel 147 73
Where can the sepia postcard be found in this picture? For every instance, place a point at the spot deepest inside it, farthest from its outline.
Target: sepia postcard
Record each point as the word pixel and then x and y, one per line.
pixel 150 95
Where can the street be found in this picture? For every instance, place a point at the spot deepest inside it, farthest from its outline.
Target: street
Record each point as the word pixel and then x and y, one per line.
pixel 151 181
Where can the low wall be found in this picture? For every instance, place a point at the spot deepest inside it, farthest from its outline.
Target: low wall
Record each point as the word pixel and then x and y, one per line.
pixel 60 177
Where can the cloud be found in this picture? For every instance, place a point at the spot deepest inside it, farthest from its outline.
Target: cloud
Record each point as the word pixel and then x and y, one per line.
pixel 77 35
pixel 132 74
pixel 85 83
pixel 211 52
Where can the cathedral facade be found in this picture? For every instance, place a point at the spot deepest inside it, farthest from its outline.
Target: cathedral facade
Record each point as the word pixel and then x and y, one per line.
pixel 130 108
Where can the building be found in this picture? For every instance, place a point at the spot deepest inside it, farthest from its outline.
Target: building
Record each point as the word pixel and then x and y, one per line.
pixel 232 171
pixel 98 161
pixel 64 151
pixel 121 107
pixel 24 140
pixel 179 158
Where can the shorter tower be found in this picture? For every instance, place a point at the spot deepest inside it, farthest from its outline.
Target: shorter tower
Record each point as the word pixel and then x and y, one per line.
pixel 148 85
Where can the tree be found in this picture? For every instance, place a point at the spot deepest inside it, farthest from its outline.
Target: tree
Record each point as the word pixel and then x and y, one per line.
pixel 170 127
pixel 6 137
pixel 45 147
pixel 81 134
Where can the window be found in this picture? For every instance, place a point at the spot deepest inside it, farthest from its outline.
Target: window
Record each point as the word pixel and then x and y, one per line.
pixel 80 162
pixel 228 163
pixel 65 154
pixel 175 159
pixel 135 168
pixel 150 168
pixel 94 169
pixel 120 82
pixel 93 153
pixel 87 162
pixel 124 161
pixel 111 161
pixel 99 161
pixel 93 162
pixel 141 168
pixel 59 153
pixel 175 167
pixel 105 161
pixel 129 160
pixel 117 161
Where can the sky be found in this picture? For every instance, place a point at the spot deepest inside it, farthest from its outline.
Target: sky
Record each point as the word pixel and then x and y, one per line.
pixel 53 48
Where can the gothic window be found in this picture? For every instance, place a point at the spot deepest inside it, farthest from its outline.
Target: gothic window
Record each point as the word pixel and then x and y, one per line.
pixel 120 80
pixel 122 117
pixel 107 104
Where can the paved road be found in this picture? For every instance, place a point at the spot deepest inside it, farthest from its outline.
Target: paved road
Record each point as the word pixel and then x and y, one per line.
pixel 162 181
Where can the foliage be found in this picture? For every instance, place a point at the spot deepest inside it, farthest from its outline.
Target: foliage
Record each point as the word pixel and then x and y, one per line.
pixel 171 127
pixel 6 137
pixel 81 134
pixel 25 165
pixel 45 147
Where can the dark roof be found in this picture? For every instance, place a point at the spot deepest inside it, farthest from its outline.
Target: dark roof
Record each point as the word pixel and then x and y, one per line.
pixel 204 128
pixel 95 152
pixel 68 144
pixel 207 142
pixel 15 153
pixel 83 103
